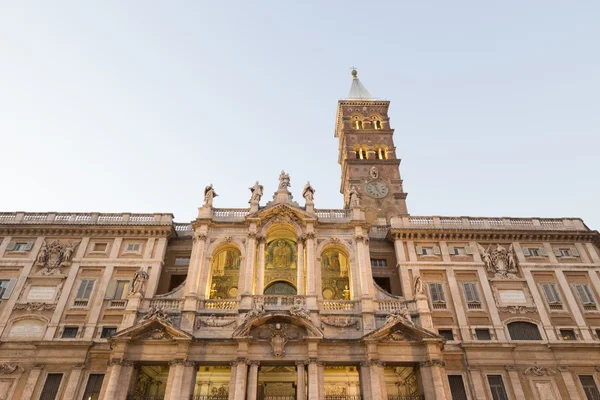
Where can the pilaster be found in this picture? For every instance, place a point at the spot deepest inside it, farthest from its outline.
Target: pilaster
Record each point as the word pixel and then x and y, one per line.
pixel 96 307
pixel 548 327
pixel 300 266
pixel 260 270
pixel 31 382
pixel 573 305
pixel 567 377
pixel 515 381
pixel 300 380
pixel 313 379
pixel 407 289
pixel 491 304
pixel 252 390
pixel 461 315
pixel 73 383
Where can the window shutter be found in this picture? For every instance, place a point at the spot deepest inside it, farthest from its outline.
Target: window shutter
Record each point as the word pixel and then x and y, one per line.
pixel 111 289
pixel 543 251
pixel 88 289
pixel 557 252
pixel 551 293
pixel 28 246
pixel 11 246
pixel 451 250
pixel 575 252
pixel 471 294
pixel 588 291
pixel 419 249
pixel 584 293
pixel 437 293
pixel 9 289
pixel 469 250
pixel 436 250
pixel 526 251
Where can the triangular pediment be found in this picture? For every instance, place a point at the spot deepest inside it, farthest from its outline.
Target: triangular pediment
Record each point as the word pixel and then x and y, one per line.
pixel 286 212
pixel 152 330
pixel 401 330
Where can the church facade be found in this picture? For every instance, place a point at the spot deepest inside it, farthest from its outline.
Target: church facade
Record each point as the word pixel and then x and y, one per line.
pixel 282 300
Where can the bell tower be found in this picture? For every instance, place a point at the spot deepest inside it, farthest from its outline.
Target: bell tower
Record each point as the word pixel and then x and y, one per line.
pixel 367 154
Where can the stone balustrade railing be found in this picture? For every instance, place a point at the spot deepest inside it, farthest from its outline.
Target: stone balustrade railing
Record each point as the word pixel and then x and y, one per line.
pixel 436 222
pixel 340 305
pixel 85 218
pixel 219 304
pixel 230 214
pixel 333 215
pixel 166 304
pixel 389 306
pixel 277 302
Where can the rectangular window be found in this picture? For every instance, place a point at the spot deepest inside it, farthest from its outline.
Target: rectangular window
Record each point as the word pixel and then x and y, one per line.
pixel 108 332
pixel 446 334
pixel 51 386
pixel 568 334
pixel 436 292
pixel 378 262
pixel 84 291
pixel 20 246
pixel 457 387
pixel 552 296
pixel 6 288
pixel 534 252
pixel 586 296
pixel 483 334
pixel 457 251
pixel 100 247
pixel 93 387
pixel 497 387
pixel 133 248
pixel 70 332
pixel 471 295
pixel 565 252
pixel 570 252
pixel 122 290
pixel 182 260
pixel 589 387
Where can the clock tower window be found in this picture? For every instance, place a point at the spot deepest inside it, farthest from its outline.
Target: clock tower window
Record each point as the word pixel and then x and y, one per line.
pixel 377 124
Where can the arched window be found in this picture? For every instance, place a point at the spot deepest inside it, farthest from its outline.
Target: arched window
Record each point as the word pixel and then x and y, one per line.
pixel 358 124
pixel 377 124
pixel 334 275
pixel 358 154
pixel 225 273
pixel 363 154
pixel 522 330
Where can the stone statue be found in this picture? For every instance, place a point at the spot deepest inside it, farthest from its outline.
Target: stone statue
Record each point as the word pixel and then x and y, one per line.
pixel 501 262
pixel 257 192
pixel 42 255
pixel 209 195
pixel 284 180
pixel 353 197
pixel 213 291
pixel 308 193
pixel 257 310
pixel 139 282
pixel 374 172
pixel 399 313
pixel 298 309
pixel 418 286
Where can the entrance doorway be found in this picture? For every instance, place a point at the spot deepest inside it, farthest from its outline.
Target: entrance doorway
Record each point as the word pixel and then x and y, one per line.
pixel 150 383
pixel 277 382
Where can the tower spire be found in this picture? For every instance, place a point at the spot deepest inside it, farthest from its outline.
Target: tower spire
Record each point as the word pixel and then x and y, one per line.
pixel 357 90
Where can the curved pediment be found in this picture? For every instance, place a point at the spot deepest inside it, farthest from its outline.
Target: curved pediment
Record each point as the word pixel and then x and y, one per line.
pixel 300 327
pixel 150 330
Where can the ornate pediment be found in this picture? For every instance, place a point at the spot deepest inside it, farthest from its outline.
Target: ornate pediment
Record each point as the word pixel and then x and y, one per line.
pixel 150 330
pixel 298 326
pixel 399 329
pixel 281 213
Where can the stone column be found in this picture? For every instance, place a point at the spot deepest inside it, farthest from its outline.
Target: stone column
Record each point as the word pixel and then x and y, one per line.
pixel 567 376
pixel 321 372
pixel 189 379
pixel 73 382
pixel 180 384
pixel 193 268
pixel 252 389
pixel 405 281
pixel 201 275
pixel 313 379
pixel 260 269
pixel 378 391
pixel 515 381
pixel 573 305
pixel 301 380
pixel 31 382
pixel 240 379
pixel 112 383
pixel 365 380
pixel 310 264
pixel 300 267
pixel 249 267
pixel 433 379
pixel 232 379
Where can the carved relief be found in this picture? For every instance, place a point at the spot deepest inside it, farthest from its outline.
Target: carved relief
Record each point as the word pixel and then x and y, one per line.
pixel 340 322
pixel 139 282
pixel 501 262
pixel 35 306
pixel 158 314
pixel 298 309
pixel 214 322
pixel 155 334
pixel 536 370
pixel 10 367
pixel 401 313
pixel 278 340
pixel 54 255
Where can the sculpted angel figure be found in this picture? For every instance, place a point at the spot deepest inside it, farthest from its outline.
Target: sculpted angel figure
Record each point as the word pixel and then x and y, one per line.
pixel 139 282
pixel 209 195
pixel 42 255
pixel 485 256
pixel 284 180
pixel 68 252
pixel 353 197
pixel 308 193
pixel 512 261
pixel 418 286
pixel 257 192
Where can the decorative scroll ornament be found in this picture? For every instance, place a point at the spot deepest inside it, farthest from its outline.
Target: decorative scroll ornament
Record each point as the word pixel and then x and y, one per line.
pixel 278 340
pixel 257 310
pixel 374 172
pixel 10 367
pixel 35 306
pixel 214 322
pixel 341 322
pixel 539 371
pixel 501 262
pixel 517 309
pixel 401 313
pixel 156 334
pixel 158 314
pixel 139 282
pixel 54 255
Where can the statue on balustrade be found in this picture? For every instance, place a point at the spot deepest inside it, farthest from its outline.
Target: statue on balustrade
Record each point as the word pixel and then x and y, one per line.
pixel 308 193
pixel 284 180
pixel 257 192
pixel 209 195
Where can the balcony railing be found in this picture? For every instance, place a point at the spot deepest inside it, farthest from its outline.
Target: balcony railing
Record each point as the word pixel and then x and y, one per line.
pixel 489 223
pixel 277 302
pixel 333 215
pixel 166 304
pixel 218 304
pixel 85 218
pixel 230 214
pixel 340 305
pixel 396 305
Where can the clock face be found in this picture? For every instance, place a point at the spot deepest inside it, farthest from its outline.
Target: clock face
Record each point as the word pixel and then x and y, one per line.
pixel 376 189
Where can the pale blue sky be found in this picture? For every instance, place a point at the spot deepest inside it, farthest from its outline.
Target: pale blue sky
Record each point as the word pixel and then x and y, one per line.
pixel 136 106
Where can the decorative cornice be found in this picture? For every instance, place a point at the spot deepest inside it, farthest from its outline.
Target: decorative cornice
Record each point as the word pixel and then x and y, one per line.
pixel 490 235
pixel 35 306
pixel 182 361
pixel 74 230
